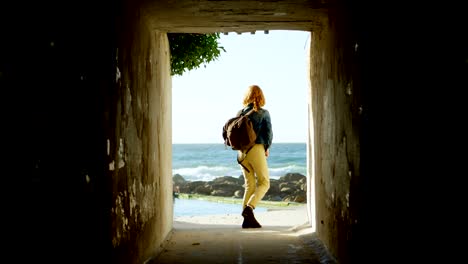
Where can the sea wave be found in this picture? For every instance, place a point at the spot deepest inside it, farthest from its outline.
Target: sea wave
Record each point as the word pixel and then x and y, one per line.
pixel 281 171
pixel 208 173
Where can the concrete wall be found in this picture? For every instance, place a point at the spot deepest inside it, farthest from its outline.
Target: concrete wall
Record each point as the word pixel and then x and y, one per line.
pixel 334 134
pixel 140 146
pixel 207 16
pixel 87 97
pixel 376 95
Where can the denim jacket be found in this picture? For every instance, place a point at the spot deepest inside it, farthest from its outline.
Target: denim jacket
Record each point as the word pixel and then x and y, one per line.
pixel 262 125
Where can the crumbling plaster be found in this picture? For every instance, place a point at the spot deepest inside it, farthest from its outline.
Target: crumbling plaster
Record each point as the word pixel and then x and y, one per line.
pixel 142 145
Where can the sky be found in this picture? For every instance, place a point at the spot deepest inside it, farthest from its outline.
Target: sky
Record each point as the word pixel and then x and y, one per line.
pixel 205 98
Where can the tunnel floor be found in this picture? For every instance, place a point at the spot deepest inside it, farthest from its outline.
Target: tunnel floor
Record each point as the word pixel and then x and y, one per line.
pixel 285 237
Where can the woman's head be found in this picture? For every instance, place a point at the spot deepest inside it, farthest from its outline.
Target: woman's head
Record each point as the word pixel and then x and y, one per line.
pixel 254 95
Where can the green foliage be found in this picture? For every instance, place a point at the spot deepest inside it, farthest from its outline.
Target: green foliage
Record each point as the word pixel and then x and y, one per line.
pixel 190 51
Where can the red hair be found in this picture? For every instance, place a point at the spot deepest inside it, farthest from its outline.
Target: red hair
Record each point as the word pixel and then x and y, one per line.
pixel 254 95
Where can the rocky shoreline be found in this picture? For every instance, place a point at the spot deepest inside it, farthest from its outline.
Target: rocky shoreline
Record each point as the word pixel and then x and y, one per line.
pixel 292 187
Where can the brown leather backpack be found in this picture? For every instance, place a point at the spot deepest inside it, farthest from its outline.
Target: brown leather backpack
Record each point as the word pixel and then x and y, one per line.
pixel 238 132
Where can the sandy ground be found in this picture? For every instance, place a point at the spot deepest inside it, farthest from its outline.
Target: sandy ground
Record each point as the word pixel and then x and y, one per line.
pixel 285 237
pixel 274 217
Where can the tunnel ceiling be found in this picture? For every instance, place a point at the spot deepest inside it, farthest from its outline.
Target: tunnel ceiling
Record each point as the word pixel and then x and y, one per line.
pixel 207 16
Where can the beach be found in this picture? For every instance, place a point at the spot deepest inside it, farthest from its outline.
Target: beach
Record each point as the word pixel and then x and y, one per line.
pixel 279 216
pixel 285 237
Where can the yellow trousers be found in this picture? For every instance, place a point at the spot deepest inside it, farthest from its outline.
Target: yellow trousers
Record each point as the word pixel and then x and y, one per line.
pixel 257 179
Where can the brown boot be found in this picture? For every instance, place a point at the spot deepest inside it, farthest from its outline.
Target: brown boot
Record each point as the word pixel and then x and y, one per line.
pixel 249 218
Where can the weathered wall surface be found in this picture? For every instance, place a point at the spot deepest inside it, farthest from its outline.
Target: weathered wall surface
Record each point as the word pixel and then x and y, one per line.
pixel 375 85
pixel 334 133
pixel 87 95
pixel 140 156
pixel 205 16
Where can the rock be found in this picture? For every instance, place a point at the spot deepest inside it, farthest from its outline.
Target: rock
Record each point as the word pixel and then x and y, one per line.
pixel 241 179
pixel 239 194
pixel 287 190
pixel 274 188
pixel 289 177
pixel 291 187
pixel 227 180
pixel 275 198
pixel 301 198
pixel 178 179
pixel 224 189
pixel 221 192
pixel 191 187
pixel 203 189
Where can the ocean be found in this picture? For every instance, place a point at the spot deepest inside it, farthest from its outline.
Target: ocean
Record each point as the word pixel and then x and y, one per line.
pixel 205 162
pixel 193 207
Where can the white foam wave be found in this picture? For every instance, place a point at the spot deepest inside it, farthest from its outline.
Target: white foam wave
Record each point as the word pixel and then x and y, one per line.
pixel 207 173
pixel 278 172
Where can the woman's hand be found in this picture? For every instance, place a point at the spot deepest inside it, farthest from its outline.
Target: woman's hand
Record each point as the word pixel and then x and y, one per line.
pixel 267 152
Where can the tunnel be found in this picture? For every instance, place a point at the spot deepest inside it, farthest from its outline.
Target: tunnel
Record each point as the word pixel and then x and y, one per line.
pixel 87 121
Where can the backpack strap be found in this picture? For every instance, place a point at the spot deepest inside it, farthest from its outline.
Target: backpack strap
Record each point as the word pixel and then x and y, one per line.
pixel 248 113
pixel 240 161
pixel 245 168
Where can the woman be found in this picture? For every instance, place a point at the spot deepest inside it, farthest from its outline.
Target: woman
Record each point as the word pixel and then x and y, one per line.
pixel 254 162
